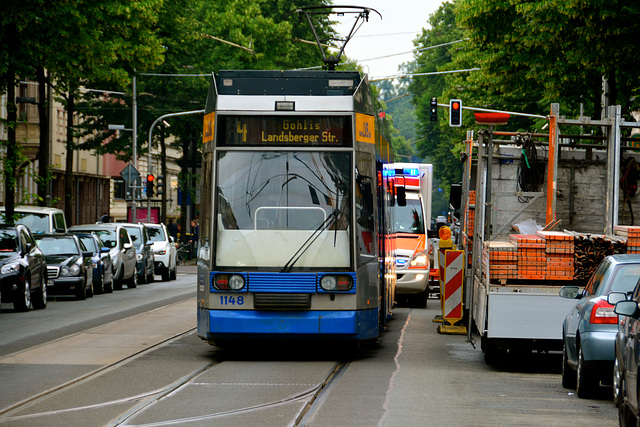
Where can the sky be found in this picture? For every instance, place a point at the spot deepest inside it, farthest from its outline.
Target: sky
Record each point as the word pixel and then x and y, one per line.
pixel 402 22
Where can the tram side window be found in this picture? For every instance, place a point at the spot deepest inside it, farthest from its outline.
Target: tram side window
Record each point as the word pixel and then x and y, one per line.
pixel 365 214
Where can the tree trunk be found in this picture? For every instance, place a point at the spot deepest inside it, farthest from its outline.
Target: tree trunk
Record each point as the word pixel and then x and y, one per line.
pixel 44 153
pixel 68 172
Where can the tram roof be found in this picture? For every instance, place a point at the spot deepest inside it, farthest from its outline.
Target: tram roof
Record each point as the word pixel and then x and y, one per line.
pixel 274 82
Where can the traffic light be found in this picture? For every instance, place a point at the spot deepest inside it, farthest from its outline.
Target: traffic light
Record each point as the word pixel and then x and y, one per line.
pixel 433 116
pixel 160 184
pixel 455 113
pixel 150 185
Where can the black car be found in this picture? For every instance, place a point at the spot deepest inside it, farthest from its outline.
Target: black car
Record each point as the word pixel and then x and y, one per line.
pixel 102 265
pixel 23 270
pixel 69 265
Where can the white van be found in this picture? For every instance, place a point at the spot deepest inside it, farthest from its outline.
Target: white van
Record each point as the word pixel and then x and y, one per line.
pixel 40 220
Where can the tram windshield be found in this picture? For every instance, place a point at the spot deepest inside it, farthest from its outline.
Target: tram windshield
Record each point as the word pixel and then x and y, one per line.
pixel 283 209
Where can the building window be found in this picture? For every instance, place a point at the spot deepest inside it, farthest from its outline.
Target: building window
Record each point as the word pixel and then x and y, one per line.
pixel 119 189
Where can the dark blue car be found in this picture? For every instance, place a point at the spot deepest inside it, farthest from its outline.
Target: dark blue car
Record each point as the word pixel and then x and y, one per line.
pixel 627 355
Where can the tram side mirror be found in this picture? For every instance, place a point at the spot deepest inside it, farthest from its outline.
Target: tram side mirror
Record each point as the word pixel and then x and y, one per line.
pixel 401 196
pixel 364 182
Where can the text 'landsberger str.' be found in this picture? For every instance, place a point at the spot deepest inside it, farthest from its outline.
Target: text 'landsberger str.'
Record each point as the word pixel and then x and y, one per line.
pixel 278 130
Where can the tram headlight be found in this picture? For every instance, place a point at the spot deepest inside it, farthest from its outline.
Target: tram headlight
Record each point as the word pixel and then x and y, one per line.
pixel 337 283
pixel 228 282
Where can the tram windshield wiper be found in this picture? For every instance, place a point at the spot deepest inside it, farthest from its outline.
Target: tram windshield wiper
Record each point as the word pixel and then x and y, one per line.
pixel 331 219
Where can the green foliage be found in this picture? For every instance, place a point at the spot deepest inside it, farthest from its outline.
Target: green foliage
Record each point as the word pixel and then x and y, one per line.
pixel 530 54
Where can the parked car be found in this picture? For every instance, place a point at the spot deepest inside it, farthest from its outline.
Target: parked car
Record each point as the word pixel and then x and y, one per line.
pixel 121 249
pixel 23 269
pixel 590 328
pixel 69 265
pixel 140 237
pixel 102 265
pixel 164 251
pixel 627 358
pixel 40 220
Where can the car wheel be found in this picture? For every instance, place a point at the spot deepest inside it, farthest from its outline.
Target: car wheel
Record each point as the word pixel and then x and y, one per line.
pixel 586 382
pixel 568 374
pixel 100 288
pixel 40 298
pixel 166 275
pixel 625 416
pixel 133 281
pixel 618 382
pixel 90 291
pixel 22 300
pixel 108 287
pixel 173 274
pixel 117 282
pixel 150 276
pixel 81 293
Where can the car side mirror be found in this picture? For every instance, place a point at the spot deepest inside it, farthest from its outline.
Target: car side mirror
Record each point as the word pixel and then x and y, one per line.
pixel 127 245
pixel 87 254
pixel 432 234
pixel 172 239
pixel 570 292
pixel 149 243
pixel 615 297
pixel 401 195
pixel 626 308
pixel 28 247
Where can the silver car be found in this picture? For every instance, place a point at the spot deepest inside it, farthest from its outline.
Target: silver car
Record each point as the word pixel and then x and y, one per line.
pixel 121 249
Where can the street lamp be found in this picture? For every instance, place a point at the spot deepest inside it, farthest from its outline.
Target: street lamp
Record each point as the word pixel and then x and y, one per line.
pixel 156 121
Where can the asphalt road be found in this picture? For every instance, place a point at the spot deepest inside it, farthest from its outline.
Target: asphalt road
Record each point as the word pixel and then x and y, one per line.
pixel 412 377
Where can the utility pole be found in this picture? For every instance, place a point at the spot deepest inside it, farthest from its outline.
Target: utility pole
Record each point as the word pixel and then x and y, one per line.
pixel 134 154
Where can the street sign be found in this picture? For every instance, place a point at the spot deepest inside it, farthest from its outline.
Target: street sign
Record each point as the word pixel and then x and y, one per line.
pixel 130 174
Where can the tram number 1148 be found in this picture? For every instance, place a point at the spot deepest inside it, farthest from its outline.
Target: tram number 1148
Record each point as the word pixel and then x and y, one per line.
pixel 231 300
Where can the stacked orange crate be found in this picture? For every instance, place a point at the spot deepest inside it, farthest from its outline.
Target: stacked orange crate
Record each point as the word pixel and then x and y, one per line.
pixel 632 235
pixel 559 249
pixel 503 260
pixel 532 262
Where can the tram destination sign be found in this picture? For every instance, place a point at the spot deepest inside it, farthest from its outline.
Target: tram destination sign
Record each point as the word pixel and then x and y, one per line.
pixel 285 130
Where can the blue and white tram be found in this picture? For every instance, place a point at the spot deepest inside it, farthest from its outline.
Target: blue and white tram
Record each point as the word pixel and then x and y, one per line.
pixel 295 237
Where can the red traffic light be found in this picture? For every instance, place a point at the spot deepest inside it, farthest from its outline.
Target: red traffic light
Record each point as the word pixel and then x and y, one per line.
pixel 455 105
pixel 150 178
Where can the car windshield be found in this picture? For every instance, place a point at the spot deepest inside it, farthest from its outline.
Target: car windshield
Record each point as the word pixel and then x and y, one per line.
pixel 108 237
pixel 58 246
pixel 8 241
pixel 409 219
pixel 136 235
pixel 37 223
pixel 89 243
pixel 156 234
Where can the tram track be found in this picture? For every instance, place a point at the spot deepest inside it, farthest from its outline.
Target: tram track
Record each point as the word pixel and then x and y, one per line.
pixel 6 413
pixel 313 399
pixel 310 399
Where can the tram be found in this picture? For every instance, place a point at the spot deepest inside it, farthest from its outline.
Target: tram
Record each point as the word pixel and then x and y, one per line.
pixel 295 209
